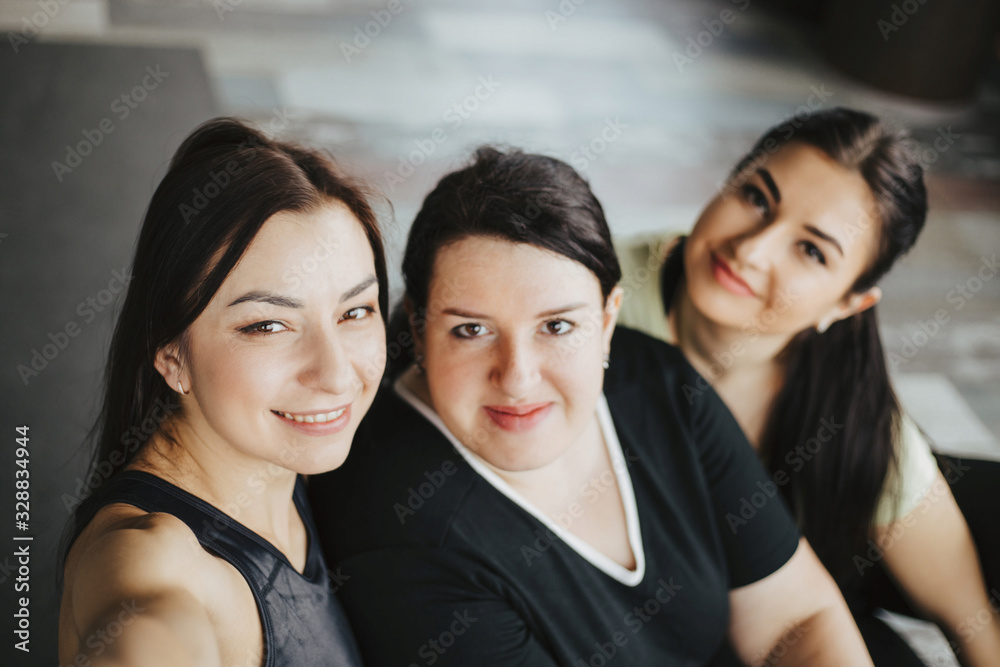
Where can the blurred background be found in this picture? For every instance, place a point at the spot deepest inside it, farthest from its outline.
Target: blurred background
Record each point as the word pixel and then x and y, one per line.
pixel 652 101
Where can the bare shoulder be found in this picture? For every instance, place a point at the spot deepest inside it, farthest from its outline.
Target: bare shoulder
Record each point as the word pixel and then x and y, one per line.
pixel 126 546
pixel 141 569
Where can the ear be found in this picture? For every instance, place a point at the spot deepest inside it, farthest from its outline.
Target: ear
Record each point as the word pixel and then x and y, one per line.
pixel 612 306
pixel 169 364
pixel 852 304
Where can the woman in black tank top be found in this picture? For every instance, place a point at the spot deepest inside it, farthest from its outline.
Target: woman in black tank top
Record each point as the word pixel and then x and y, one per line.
pixel 249 346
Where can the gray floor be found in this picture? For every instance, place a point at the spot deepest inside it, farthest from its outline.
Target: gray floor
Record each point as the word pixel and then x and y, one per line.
pixel 544 84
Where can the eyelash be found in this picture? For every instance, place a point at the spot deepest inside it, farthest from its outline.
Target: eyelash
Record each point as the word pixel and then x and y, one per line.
pixel 252 329
pixel 755 197
pixel 808 247
pixel 457 331
pixel 368 309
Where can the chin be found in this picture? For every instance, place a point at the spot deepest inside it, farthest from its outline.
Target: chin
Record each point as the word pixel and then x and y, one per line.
pixel 716 304
pixel 524 455
pixel 319 466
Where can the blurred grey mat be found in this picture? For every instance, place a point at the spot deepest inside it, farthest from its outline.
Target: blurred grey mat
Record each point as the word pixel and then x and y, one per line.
pixel 86 133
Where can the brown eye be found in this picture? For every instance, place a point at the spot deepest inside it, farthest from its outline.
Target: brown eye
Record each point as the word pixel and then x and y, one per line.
pixel 813 252
pixel 470 330
pixel 359 313
pixel 756 198
pixel 263 328
pixel 558 327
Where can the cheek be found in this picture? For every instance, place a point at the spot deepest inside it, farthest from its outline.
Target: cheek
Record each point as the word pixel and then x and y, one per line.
pixel 368 354
pixel 576 376
pixel 457 375
pixel 237 379
pixel 722 217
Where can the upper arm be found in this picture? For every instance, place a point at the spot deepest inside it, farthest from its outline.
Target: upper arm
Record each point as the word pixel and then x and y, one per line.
pixel 772 610
pixel 931 554
pixel 132 597
pixel 911 478
pixel 421 606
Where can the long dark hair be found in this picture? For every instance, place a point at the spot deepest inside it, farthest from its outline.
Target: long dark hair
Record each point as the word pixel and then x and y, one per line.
pixel 224 182
pixel 840 376
pixel 510 195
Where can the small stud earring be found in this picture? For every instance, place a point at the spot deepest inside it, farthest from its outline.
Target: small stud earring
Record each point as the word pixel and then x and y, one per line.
pixel 822 327
pixel 607 362
pixel 419 361
pixel 180 388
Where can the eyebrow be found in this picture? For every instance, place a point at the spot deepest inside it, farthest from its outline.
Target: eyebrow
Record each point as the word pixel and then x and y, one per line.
pixel 771 185
pixel 260 296
pixel 826 237
pixel 458 312
pixel 358 289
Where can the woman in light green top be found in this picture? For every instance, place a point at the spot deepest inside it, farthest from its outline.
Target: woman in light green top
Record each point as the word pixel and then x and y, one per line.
pixel 772 298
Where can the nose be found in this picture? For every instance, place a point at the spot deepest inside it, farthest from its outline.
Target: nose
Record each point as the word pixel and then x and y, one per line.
pixel 757 248
pixel 516 370
pixel 329 367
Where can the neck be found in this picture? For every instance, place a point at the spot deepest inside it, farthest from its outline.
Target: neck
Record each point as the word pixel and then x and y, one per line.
pixel 722 349
pixel 254 492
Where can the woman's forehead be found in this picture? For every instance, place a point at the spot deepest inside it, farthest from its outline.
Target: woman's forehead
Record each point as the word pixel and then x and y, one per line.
pixel 496 270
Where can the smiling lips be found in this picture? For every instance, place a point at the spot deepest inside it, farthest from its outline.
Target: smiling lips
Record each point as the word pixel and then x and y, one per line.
pixel 728 279
pixel 518 418
pixel 316 423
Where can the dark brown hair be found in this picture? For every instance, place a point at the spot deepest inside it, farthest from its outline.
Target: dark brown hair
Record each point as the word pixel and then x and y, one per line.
pixel 514 196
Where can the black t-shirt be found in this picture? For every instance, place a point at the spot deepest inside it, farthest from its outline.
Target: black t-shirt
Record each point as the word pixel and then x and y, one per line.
pixel 437 566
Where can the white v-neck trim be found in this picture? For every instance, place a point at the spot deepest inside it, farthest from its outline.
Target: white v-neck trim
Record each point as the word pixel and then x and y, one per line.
pixel 618 465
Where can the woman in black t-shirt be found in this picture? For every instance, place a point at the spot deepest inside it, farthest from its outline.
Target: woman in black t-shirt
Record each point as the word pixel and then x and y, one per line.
pixel 517 505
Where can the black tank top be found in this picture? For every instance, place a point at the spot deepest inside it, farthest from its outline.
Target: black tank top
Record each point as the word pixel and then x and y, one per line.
pixel 303 622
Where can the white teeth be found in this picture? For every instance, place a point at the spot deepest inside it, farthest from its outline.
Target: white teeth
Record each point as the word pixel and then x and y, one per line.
pixel 314 419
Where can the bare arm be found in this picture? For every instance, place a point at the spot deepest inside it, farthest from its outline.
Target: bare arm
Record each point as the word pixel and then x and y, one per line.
pixel 131 604
pixel 930 553
pixel 795 616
